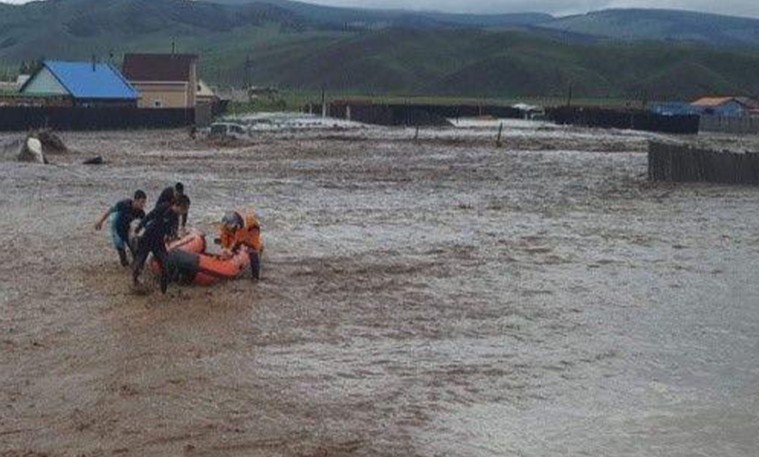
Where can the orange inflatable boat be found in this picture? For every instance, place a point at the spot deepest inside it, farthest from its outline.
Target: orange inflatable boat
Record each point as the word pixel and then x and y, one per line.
pixel 194 241
pixel 189 263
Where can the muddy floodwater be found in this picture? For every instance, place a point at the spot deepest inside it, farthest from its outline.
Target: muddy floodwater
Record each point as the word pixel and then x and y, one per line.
pixel 431 297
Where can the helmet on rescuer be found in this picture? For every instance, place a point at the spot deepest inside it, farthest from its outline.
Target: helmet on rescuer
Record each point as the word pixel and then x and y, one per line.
pixel 232 220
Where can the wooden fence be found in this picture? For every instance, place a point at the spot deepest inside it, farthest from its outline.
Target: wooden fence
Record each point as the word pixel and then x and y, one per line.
pixel 15 118
pixel 682 163
pixel 744 124
pixel 623 119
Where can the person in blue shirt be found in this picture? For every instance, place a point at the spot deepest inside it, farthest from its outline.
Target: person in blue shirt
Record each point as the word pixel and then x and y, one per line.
pixel 124 212
pixel 158 226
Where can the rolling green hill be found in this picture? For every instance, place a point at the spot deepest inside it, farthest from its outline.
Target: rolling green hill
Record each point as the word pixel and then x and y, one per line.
pixel 509 64
pixel 78 28
pixel 372 18
pixel 304 47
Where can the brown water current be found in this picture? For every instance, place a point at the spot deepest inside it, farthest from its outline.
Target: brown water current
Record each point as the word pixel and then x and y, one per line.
pixel 439 297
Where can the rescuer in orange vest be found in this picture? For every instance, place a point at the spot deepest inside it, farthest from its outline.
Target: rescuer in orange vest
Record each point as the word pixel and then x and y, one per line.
pixel 242 232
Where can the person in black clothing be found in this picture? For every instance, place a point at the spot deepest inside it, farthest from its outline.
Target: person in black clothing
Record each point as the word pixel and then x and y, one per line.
pixel 124 212
pixel 167 195
pixel 158 225
pixel 170 194
pixel 184 199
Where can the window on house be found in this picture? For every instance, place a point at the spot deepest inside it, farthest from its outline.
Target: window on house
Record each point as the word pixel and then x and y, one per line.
pixel 157 103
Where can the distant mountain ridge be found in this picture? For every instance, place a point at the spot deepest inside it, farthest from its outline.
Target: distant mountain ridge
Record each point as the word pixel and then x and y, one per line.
pixel 619 24
pixel 303 46
pixel 661 24
pixel 395 18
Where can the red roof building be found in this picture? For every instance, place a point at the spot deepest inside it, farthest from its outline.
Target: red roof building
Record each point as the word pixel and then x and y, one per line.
pixel 727 106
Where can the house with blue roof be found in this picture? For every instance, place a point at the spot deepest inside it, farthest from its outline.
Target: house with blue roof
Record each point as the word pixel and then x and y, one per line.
pixel 85 83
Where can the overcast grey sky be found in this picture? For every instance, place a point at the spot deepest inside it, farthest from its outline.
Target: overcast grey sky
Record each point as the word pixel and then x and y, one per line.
pixel 556 7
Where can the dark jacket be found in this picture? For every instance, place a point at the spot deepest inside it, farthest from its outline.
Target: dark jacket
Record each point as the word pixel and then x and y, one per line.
pixel 167 196
pixel 159 223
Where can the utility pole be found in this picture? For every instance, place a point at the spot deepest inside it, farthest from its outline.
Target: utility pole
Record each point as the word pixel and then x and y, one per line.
pixel 246 72
pixel 324 103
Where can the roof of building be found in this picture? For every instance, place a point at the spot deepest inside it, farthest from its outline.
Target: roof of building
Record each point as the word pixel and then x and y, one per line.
pixel 748 102
pixel 158 67
pixel 713 102
pixel 204 90
pixel 88 80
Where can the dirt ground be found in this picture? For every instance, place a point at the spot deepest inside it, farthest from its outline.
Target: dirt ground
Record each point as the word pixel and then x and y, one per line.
pixel 437 297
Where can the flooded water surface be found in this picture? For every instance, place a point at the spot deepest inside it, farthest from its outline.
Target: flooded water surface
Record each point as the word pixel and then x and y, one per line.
pixel 429 297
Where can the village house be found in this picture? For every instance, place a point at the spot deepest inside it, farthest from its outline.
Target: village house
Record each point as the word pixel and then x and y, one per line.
pixel 163 80
pixel 205 95
pixel 79 84
pixel 727 106
pixel 13 86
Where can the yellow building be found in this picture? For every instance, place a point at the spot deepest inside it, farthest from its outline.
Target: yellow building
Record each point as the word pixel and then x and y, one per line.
pixel 163 80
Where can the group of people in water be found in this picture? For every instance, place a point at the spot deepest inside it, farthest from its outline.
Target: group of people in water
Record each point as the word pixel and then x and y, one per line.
pixel 162 225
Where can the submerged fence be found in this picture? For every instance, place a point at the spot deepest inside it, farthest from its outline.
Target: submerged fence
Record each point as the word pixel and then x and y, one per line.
pixel 723 124
pixel 623 119
pixel 681 163
pixel 15 118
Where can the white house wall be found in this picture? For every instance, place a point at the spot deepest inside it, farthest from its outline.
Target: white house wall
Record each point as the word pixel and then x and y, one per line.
pixel 45 83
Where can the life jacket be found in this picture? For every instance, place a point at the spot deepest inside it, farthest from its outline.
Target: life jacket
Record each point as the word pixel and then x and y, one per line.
pixel 249 235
